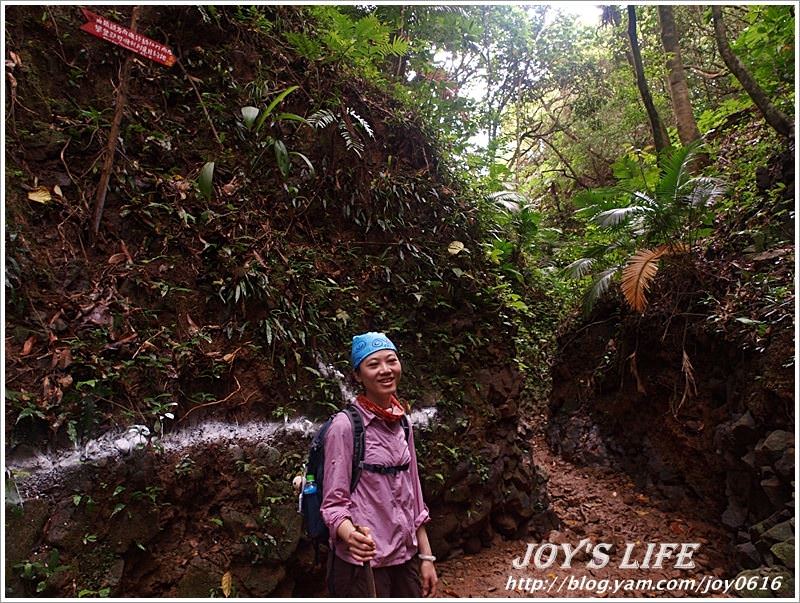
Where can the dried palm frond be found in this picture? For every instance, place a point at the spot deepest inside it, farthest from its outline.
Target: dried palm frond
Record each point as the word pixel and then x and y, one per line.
pixel 689 385
pixel 638 274
pixel 635 372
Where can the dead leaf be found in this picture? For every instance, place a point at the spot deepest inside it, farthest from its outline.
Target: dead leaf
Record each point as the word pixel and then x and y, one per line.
pixel 40 194
pixel 99 315
pixel 14 61
pixel 65 381
pixel 635 372
pixel 230 188
pixel 227 583
pixel 117 258
pixel 455 247
pixel 28 345
pixel 57 191
pixel 126 252
pixel 62 358
pixel 193 328
pixel 677 528
pixel 52 394
pixel 229 357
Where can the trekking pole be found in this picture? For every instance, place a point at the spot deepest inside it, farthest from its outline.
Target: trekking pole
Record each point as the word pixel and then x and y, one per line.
pixel 370 575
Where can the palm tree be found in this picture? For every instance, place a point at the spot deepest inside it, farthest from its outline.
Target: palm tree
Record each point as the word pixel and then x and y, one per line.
pixel 644 225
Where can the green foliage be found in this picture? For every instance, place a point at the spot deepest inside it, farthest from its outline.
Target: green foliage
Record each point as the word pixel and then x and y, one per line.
pixel 766 45
pixel 205 180
pixel 253 121
pixel 361 44
pixel 352 130
pixel 711 119
pixel 637 215
pixel 38 572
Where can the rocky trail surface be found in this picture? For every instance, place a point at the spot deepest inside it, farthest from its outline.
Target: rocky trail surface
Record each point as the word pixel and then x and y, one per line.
pixel 603 506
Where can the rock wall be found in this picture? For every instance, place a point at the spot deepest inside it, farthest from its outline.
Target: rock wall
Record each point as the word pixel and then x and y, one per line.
pixel 173 517
pixel 728 453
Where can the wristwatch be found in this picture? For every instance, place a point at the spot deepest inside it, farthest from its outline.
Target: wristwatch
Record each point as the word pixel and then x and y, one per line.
pixel 426 557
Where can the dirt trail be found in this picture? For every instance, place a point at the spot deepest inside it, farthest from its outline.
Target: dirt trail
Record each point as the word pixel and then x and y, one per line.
pixel 606 507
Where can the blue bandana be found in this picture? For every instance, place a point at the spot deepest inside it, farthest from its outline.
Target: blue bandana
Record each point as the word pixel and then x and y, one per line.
pixel 367 344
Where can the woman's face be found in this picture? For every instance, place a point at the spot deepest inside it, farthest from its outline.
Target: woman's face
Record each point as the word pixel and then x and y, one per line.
pixel 379 373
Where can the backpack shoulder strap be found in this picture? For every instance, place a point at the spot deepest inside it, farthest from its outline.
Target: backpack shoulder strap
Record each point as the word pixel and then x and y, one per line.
pixel 406 426
pixel 358 443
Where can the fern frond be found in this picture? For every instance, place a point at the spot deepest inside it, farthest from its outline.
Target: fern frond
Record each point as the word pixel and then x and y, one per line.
pixel 321 119
pixel 351 142
pixel 598 288
pixel 364 123
pixel 639 273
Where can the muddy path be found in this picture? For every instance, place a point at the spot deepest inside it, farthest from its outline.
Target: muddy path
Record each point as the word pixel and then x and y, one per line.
pixel 603 506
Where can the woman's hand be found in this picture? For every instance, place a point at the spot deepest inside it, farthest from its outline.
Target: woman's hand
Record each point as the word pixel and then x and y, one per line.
pixel 359 542
pixel 429 579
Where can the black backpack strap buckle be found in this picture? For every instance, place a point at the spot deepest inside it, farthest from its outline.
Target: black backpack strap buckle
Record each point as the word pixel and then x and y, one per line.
pixel 385 470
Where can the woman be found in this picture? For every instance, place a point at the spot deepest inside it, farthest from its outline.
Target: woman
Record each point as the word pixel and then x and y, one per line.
pixel 382 520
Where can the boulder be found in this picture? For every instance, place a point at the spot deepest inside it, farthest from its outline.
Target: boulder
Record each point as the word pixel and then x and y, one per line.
pixel 784 466
pixel 260 580
pixel 758 529
pixel 505 524
pixel 771 448
pixel 743 431
pixel 444 522
pixel 290 525
pixel 473 545
pixel 779 532
pixel 26 525
pixel 780 583
pixel 775 491
pixel 747 555
pixel 136 524
pixel 199 579
pixel 784 552
pixel 237 522
pixel 735 515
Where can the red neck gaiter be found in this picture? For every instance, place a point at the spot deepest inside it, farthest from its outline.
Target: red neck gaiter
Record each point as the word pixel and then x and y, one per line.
pixel 391 414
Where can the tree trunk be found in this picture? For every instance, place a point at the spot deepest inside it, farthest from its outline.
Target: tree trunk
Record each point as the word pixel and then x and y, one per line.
pixel 660 136
pixel 678 88
pixel 774 116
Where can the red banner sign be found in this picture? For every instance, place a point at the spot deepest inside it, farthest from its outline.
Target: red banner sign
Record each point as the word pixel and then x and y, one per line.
pixel 122 36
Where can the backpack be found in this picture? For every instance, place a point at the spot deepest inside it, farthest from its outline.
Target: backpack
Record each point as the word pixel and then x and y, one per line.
pixel 310 504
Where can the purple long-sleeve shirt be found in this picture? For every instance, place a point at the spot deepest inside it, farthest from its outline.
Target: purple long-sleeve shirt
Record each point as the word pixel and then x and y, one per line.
pixel 391 505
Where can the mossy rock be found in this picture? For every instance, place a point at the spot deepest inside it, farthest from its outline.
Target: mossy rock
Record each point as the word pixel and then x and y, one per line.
pixel 778 581
pixel 199 579
pixel 23 531
pixel 784 552
pixel 291 524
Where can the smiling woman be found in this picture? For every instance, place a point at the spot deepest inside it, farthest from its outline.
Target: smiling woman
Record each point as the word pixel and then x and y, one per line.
pixel 379 546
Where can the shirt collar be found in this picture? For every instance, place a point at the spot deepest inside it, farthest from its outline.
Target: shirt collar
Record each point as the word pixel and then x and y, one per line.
pixel 368 414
